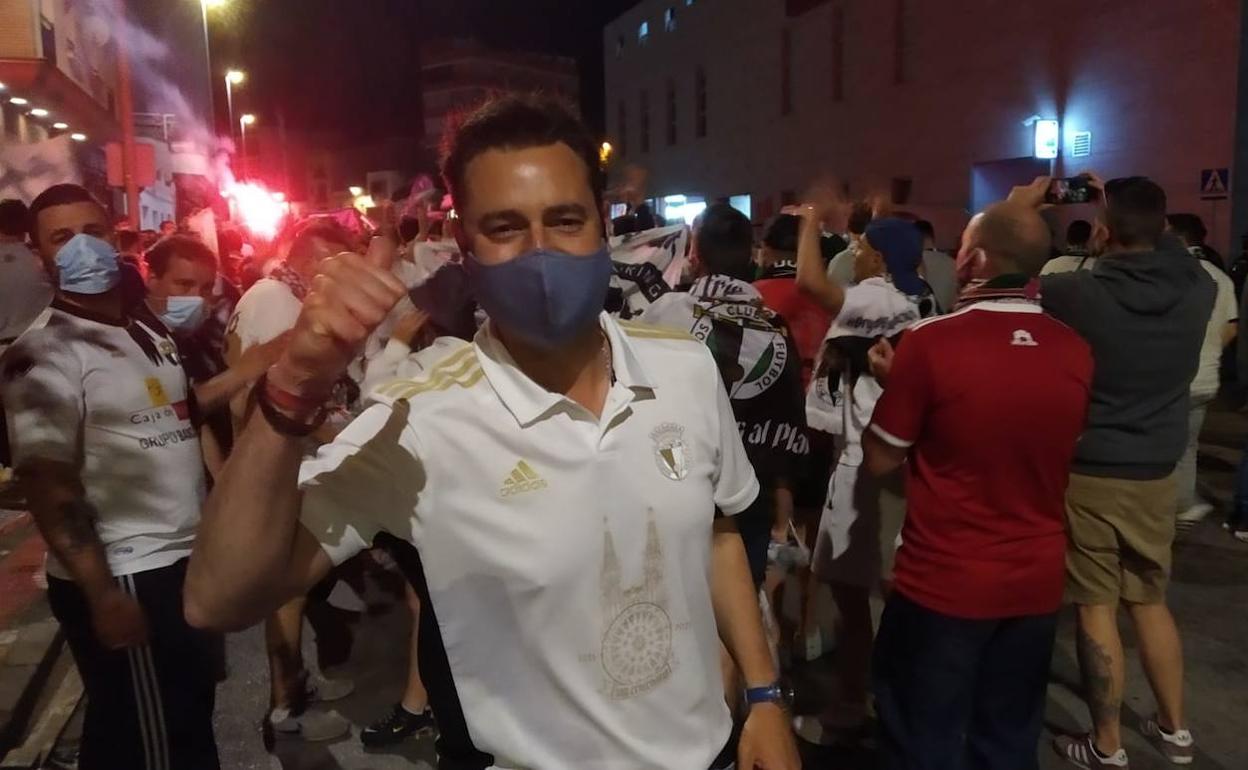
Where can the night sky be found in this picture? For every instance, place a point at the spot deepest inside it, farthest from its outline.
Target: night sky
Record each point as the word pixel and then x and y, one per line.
pixel 348 67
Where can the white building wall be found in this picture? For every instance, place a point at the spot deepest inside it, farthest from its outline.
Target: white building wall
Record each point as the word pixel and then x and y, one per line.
pixel 1155 83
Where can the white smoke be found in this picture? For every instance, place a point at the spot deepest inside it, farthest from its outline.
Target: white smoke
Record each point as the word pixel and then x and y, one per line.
pixel 150 60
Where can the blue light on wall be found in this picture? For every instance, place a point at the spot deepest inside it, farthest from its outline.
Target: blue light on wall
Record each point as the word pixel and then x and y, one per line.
pixel 1047 139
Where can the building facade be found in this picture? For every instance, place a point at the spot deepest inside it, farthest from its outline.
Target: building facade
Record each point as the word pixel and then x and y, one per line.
pixel 932 104
pixel 458 74
pixel 58 70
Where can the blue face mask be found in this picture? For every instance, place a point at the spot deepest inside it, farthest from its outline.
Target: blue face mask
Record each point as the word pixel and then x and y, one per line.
pixel 87 265
pixel 545 297
pixel 183 314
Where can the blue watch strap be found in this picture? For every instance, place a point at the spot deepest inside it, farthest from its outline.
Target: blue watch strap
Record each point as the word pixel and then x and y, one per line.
pixel 772 693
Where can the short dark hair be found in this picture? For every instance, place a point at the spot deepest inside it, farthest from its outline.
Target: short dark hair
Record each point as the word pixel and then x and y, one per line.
pixel 13 218
pixel 1078 233
pixel 57 195
pixel 180 247
pixel 517 122
pixel 128 240
pixel 1189 227
pixel 1135 211
pixel 725 242
pixel 782 233
pixel 925 228
pixel 860 216
pixel 318 227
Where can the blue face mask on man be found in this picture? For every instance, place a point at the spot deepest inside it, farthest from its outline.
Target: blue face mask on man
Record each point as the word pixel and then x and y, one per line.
pixel 183 314
pixel 87 265
pixel 544 297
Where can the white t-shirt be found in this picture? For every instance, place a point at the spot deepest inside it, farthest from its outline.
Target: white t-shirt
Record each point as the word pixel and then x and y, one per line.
pixel 873 308
pixel 1068 263
pixel 567 557
pixel 112 400
pixel 266 311
pixel 1205 384
pixel 25 290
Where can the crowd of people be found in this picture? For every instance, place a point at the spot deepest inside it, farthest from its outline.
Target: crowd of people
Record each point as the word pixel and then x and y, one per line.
pixel 602 453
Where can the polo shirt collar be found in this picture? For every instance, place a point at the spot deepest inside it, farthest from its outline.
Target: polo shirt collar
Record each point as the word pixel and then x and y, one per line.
pixel 527 401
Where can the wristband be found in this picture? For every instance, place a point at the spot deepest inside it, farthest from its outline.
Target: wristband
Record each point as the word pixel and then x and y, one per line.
pixel 271 400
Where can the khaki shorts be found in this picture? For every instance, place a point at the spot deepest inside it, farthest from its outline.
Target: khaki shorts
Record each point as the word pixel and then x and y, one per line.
pixel 1121 532
pixel 858 532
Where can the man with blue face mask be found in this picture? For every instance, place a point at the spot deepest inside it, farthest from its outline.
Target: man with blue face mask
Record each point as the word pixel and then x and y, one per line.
pixel 101 419
pixel 567 481
pixel 104 428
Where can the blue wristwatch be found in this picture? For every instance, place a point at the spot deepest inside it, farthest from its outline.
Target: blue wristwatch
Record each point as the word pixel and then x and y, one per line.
pixel 772 693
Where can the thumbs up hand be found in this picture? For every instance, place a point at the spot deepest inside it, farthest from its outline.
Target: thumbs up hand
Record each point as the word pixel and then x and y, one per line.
pixel 349 298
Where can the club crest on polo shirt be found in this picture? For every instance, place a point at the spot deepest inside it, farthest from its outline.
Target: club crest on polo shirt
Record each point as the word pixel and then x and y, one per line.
pixel 671 453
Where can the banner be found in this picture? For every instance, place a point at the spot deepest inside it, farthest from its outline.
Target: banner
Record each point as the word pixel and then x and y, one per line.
pixel 28 169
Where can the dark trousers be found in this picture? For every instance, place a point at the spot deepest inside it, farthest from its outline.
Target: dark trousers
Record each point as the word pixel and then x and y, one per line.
pixel 149 707
pixel 954 693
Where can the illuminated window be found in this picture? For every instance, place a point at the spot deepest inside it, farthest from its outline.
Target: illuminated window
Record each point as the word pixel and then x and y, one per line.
pixel 671 112
pixel 644 141
pixel 669 20
pixel 699 103
pixel 643 33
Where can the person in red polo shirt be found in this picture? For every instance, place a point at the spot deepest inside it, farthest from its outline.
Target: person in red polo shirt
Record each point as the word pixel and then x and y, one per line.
pixel 986 404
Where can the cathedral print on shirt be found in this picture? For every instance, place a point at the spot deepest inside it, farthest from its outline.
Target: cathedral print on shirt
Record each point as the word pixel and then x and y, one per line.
pixel 637 651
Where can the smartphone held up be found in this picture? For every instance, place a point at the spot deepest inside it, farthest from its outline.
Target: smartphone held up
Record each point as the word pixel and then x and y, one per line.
pixel 1075 189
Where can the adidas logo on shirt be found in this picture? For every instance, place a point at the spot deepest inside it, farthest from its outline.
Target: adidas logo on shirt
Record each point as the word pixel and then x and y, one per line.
pixel 522 479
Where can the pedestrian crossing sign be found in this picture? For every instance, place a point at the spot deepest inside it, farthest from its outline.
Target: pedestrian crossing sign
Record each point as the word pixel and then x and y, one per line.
pixel 1215 183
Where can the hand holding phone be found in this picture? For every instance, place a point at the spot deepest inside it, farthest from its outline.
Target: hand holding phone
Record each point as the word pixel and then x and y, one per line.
pixel 1075 189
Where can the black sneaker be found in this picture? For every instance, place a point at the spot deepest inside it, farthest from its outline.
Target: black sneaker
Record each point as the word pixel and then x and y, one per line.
pixel 398 726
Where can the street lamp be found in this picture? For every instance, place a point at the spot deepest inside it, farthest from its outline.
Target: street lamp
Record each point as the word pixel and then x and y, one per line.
pixel 246 120
pixel 232 78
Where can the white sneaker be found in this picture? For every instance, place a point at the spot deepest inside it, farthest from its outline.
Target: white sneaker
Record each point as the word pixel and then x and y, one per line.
pixel 1196 513
pixel 312 725
pixel 1178 746
pixel 323 690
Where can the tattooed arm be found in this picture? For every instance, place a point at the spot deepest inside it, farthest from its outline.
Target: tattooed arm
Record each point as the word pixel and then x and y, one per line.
pixel 67 522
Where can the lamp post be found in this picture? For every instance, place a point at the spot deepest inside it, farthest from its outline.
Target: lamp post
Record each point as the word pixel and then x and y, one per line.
pixel 246 120
pixel 232 78
pixel 204 6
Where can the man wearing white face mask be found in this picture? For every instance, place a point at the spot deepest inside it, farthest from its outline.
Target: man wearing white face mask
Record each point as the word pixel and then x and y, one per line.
pixel 101 421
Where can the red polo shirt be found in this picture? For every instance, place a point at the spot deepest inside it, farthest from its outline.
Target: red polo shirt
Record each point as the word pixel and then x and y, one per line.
pixel 990 400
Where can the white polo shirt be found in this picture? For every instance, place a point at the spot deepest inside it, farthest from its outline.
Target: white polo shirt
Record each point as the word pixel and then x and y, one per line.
pixel 566 557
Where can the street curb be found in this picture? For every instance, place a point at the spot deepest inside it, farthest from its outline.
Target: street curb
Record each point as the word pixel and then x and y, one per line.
pixel 23 675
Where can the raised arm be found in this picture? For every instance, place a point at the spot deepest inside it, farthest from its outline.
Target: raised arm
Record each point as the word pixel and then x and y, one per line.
pixel 812 276
pixel 251 552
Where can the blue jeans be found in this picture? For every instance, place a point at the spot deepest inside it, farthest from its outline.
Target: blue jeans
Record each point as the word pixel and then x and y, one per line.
pixel 1238 517
pixel 953 693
